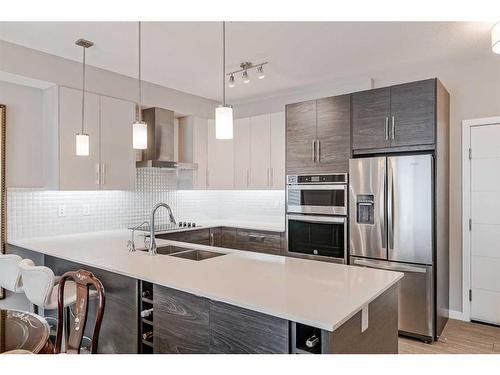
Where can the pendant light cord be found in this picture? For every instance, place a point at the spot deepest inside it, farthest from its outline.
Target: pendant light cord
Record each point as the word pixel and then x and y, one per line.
pixel 139 111
pixel 224 63
pixel 83 92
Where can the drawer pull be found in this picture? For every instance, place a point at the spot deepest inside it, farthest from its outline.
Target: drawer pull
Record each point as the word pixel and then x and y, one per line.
pixel 256 238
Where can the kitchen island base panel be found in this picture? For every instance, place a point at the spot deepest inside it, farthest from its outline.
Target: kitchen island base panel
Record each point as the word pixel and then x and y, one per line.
pixel 185 323
pixel 381 336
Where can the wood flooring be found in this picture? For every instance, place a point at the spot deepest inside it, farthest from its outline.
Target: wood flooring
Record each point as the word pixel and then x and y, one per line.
pixel 458 337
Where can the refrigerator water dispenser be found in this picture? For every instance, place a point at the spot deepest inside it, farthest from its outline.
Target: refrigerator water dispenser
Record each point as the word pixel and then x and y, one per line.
pixel 365 209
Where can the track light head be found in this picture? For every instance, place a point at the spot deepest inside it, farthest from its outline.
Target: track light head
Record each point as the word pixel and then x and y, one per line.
pixel 245 76
pixel 260 71
pixel 231 82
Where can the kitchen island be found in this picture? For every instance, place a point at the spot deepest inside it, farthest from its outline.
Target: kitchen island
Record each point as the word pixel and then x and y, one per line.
pixel 239 302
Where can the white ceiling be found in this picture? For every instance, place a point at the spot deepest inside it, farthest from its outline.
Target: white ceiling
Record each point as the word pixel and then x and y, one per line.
pixel 187 55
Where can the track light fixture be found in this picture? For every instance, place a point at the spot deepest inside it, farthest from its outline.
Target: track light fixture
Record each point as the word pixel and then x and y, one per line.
pixel 245 77
pixel 245 67
pixel 231 82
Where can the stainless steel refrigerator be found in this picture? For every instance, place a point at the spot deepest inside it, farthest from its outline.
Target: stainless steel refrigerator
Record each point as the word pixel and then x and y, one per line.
pixel 391 225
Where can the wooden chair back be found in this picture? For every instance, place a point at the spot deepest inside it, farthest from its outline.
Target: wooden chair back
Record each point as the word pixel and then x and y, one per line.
pixel 83 280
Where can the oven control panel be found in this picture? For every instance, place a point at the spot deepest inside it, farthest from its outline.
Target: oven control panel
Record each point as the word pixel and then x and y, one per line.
pixel 336 178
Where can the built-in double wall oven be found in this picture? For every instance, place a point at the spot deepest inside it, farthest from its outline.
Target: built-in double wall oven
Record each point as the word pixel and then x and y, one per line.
pixel 317 216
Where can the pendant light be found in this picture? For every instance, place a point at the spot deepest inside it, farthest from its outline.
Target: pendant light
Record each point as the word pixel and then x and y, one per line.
pixel 224 112
pixel 139 127
pixel 83 139
pixel 495 38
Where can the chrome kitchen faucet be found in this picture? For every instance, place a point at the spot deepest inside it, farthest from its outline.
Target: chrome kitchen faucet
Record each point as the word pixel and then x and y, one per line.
pixel 152 241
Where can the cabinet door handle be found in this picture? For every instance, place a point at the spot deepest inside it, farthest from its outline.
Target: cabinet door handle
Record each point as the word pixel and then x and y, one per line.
pixel 386 128
pixel 271 171
pixel 248 177
pixel 393 128
pixel 318 151
pixel 268 176
pixel 211 239
pixel 97 174
pixel 313 151
pixel 206 178
pixel 103 177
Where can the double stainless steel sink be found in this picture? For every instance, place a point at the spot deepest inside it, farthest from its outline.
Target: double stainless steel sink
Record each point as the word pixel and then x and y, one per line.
pixel 186 252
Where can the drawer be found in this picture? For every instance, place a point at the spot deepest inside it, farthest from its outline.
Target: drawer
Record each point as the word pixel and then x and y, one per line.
pixel 259 241
pixel 197 236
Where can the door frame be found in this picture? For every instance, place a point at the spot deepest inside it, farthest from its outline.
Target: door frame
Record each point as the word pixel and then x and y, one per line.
pixel 467 125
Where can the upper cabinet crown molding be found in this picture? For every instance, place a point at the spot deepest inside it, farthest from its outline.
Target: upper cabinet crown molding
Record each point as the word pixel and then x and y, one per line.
pixel 111 162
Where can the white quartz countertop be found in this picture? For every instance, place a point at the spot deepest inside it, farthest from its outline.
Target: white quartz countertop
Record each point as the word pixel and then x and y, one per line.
pixel 320 294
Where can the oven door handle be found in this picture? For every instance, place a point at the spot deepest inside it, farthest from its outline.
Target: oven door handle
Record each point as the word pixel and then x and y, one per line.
pixel 317 219
pixel 318 187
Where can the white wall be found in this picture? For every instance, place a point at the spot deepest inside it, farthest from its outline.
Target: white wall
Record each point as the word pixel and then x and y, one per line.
pixel 474 87
pixel 24 132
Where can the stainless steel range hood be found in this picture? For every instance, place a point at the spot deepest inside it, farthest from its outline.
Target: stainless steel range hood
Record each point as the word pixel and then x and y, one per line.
pixel 160 152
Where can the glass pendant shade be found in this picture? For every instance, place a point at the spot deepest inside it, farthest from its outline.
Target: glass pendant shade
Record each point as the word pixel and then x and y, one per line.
pixel 224 122
pixel 140 135
pixel 82 144
pixel 495 38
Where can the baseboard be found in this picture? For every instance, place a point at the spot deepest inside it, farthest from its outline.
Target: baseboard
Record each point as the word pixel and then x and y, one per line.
pixel 458 315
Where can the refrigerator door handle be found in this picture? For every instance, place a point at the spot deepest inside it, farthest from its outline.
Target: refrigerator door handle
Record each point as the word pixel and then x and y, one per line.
pixel 398 268
pixel 382 210
pixel 390 206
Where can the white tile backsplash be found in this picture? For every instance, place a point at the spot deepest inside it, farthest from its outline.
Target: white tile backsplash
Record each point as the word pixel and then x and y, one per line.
pixel 34 213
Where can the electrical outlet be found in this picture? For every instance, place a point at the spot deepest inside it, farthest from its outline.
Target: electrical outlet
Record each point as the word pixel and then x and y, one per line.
pixel 61 211
pixel 86 209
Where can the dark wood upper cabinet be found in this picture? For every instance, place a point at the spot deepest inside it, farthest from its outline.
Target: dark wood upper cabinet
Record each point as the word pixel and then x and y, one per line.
pixel 300 136
pixel 413 113
pixel 333 134
pixel 318 136
pixel 396 118
pixel 370 119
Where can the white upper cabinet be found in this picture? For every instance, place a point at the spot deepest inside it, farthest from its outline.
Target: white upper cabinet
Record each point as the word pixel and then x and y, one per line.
pixel 220 171
pixel 241 145
pixel 260 151
pixel 108 122
pixel 78 172
pixel 278 151
pixel 117 155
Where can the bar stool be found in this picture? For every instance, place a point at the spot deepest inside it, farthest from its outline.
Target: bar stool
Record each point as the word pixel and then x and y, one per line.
pixel 41 287
pixel 10 274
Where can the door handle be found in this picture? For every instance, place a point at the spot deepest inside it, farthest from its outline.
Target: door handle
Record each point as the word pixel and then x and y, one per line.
pixel 271 171
pixel 318 150
pixel 313 151
pixel 393 127
pixel 399 268
pixel 268 176
pixel 248 177
pixel 386 128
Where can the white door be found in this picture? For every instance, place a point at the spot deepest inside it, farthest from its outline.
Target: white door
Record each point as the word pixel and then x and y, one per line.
pixel 220 173
pixel 485 234
pixel 278 151
pixel 78 172
pixel 117 154
pixel 260 151
pixel 241 145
